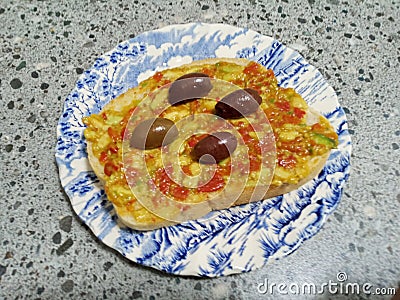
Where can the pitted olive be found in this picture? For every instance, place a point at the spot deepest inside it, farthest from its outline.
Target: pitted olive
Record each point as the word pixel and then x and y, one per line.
pixel 215 147
pixel 153 133
pixel 189 87
pixel 238 104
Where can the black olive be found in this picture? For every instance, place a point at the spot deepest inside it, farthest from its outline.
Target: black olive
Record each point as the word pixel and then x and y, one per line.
pixel 153 133
pixel 215 147
pixel 238 104
pixel 189 87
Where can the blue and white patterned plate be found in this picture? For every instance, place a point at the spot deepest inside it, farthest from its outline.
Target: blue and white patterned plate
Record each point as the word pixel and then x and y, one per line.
pixel 238 239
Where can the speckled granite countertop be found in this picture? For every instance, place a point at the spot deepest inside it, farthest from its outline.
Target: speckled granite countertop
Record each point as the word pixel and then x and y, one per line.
pixel 47 253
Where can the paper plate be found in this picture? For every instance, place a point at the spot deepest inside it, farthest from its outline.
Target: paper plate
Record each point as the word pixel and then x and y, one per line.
pixel 235 240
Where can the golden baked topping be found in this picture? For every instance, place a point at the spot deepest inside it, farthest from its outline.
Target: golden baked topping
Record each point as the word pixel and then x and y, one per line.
pixel 263 128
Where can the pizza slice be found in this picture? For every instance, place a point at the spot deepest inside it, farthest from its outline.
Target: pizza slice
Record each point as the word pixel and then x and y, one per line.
pixel 204 136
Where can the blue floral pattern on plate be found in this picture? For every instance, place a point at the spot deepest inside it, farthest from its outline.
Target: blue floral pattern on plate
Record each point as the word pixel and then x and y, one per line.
pixel 234 240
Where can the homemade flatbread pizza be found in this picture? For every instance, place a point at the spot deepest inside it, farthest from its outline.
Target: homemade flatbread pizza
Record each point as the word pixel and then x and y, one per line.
pixel 204 136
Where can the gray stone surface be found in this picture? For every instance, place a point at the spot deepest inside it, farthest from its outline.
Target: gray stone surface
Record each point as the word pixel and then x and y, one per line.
pixel 47 253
